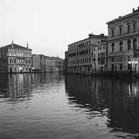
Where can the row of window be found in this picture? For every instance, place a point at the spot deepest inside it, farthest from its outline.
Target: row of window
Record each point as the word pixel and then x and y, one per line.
pixel 15 69
pixel 80 61
pixel 120 67
pixel 84 52
pixel 14 61
pixel 84 60
pixel 101 62
pixel 81 52
pixel 130 27
pixel 101 55
pixel 128 45
pixel 81 45
pixel 19 54
pixel 99 48
pixel 119 59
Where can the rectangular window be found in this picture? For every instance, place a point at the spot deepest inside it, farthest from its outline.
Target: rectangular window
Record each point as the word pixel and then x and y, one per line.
pixel 121 66
pixel 112 32
pixel 129 67
pixel 112 67
pixel 134 26
pixel 14 60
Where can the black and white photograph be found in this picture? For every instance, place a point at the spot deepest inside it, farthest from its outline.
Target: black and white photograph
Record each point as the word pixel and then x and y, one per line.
pixel 69 69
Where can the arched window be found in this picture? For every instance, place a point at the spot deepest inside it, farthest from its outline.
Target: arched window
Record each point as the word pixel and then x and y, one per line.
pixel 134 26
pixel 112 32
pixel 134 44
pixel 11 60
pixel 129 44
pixel 112 45
pixel 128 28
pixel 121 46
pixel 120 30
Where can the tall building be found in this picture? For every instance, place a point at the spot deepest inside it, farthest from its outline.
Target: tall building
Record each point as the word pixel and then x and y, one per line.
pixel 80 54
pixel 15 58
pixel 123 43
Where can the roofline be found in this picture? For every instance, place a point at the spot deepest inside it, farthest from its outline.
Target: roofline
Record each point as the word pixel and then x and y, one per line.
pixel 125 16
pixel 90 36
pixel 17 45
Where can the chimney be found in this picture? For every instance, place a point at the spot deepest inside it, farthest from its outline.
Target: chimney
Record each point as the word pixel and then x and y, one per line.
pixel 12 44
pixel 133 10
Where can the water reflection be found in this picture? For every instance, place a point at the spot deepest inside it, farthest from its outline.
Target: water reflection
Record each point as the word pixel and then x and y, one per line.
pixel 19 87
pixel 117 101
pixel 15 87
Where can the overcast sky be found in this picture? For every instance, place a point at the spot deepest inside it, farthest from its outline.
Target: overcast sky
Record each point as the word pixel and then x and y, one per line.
pixel 50 25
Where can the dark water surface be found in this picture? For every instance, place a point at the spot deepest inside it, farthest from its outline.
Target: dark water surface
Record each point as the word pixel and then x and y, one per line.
pixel 53 106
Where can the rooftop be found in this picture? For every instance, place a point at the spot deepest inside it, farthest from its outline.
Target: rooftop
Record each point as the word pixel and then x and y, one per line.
pixel 16 46
pixel 134 12
pixel 101 36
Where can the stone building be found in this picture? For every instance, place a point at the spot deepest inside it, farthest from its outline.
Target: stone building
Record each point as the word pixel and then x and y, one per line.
pixel 50 64
pixel 59 64
pixel 99 56
pixel 36 63
pixel 54 64
pixel 123 43
pixel 42 63
pixel 80 54
pixel 15 58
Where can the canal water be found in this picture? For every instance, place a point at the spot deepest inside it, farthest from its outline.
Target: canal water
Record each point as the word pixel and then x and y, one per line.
pixel 53 106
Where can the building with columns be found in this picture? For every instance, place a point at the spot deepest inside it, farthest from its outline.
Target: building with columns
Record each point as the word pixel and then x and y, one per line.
pixel 123 43
pixel 80 60
pixel 15 58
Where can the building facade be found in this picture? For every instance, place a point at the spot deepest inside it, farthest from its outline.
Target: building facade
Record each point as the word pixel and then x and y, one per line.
pixel 35 63
pixel 59 64
pixel 80 54
pixel 15 58
pixel 42 63
pixel 99 61
pixel 50 64
pixel 123 43
pixel 54 64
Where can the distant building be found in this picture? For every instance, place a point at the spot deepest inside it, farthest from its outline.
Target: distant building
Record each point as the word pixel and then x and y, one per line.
pixel 50 64
pixel 80 54
pixel 99 56
pixel 36 63
pixel 54 64
pixel 15 58
pixel 58 64
pixel 123 43
pixel 42 63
